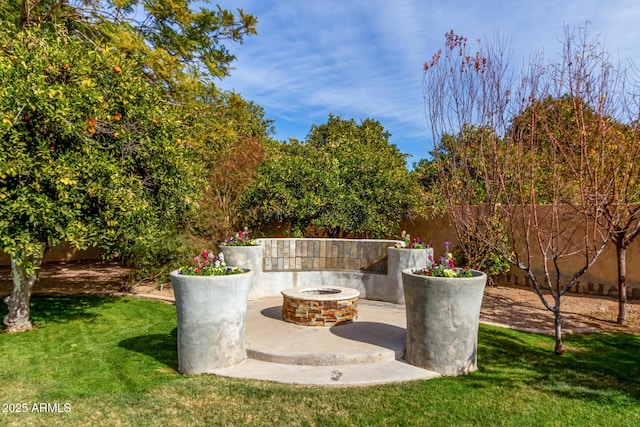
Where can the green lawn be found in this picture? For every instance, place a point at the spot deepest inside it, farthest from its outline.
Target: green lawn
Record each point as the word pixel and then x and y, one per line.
pixel 113 361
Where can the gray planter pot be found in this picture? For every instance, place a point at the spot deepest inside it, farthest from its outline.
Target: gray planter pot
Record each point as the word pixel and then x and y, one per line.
pixel 247 257
pixel 443 316
pixel 401 259
pixel 211 313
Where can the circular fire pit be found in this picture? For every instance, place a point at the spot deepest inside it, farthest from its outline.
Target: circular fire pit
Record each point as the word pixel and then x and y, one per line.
pixel 320 306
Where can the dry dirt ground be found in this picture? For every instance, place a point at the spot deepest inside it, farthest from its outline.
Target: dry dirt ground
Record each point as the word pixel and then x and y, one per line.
pixel 519 308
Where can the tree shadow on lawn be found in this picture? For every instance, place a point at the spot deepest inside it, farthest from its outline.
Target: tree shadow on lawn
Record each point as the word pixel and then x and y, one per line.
pixel 61 309
pixel 162 347
pixel 594 366
pixel 56 309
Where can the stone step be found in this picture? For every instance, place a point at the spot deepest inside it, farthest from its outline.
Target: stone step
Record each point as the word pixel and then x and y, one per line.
pixel 338 375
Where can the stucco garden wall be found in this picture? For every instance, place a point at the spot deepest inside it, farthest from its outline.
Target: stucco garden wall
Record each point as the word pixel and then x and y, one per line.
pixel 61 253
pixel 601 279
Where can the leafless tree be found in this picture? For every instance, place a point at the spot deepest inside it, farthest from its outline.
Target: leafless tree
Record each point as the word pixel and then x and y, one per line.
pixel 621 212
pixel 535 147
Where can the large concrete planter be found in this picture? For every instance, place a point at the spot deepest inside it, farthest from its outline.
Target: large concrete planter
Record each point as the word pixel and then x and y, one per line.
pixel 443 316
pixel 401 259
pixel 247 257
pixel 211 314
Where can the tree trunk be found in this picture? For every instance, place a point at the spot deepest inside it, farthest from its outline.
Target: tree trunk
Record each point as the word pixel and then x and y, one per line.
pixel 24 275
pixel 558 330
pixel 621 251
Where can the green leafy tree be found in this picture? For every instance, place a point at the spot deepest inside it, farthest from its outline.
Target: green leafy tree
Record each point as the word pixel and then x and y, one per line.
pixel 91 154
pixel 236 136
pixel 278 191
pixel 171 39
pixel 345 178
pixel 182 47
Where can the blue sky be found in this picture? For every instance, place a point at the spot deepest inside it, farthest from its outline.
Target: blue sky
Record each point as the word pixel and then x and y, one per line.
pixel 363 58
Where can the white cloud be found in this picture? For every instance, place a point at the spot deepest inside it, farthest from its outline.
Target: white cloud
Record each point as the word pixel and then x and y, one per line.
pixel 363 58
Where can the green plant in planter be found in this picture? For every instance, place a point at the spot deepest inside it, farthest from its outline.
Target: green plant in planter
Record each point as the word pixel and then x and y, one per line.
pixel 408 243
pixel 241 238
pixel 206 265
pixel 446 267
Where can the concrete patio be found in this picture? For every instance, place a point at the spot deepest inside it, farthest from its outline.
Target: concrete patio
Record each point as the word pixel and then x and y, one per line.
pixel 367 351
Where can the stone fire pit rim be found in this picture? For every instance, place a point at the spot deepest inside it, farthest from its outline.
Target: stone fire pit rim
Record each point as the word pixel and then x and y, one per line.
pixel 306 293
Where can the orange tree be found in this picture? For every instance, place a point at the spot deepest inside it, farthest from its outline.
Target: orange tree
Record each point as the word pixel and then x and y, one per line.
pixel 91 153
pixel 345 178
pixel 182 47
pixel 171 39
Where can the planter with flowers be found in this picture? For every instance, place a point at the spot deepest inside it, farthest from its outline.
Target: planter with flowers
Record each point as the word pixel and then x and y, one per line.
pixel 211 306
pixel 243 251
pixel 406 254
pixel 443 314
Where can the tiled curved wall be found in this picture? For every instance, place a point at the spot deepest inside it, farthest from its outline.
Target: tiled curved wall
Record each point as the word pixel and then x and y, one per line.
pixel 325 254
